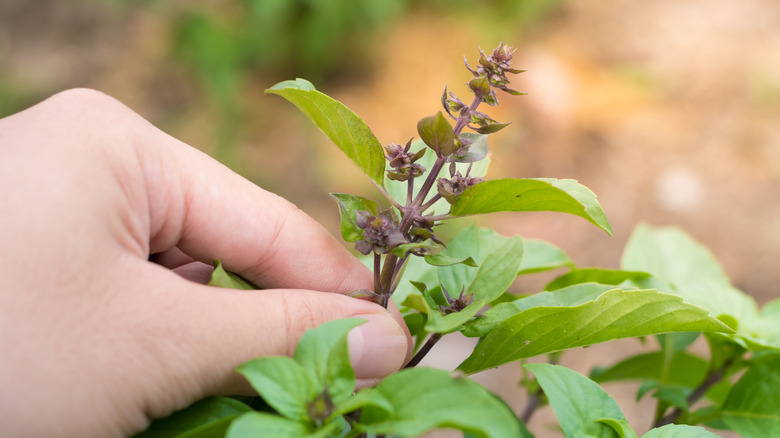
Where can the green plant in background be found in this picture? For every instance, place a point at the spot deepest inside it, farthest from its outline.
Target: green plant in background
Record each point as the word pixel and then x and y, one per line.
pixel 276 37
pixel 668 286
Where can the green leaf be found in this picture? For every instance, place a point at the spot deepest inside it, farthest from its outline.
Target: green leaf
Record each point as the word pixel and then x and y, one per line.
pixel 752 407
pixel 403 249
pixel 322 351
pixel 363 399
pixel 595 275
pixel 262 424
pixel 497 272
pixel 339 123
pixel 570 296
pixel 613 315
pixel 579 403
pixel 208 418
pixel 679 431
pixel 540 256
pixel 492 128
pixel 686 268
pixel 348 205
pixel 683 369
pixel 437 133
pixel 283 383
pixel 498 260
pixel 439 323
pixel 222 278
pixel 621 427
pixel 444 260
pixel 425 399
pixel 541 194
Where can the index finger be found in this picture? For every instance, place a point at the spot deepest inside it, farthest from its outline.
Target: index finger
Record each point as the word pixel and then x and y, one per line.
pixel 210 212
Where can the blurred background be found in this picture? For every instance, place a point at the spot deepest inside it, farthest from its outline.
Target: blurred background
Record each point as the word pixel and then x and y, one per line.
pixel 668 110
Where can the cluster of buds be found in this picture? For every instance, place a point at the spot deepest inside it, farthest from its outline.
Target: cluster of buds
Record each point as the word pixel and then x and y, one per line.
pixel 422 229
pixel 457 304
pixel 449 189
pixel 321 407
pixel 494 68
pixel 380 232
pixel 403 162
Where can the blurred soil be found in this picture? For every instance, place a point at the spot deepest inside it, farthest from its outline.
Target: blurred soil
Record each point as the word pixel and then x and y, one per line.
pixel 668 110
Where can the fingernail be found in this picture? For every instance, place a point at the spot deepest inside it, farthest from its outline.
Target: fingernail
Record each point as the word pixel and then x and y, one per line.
pixel 377 347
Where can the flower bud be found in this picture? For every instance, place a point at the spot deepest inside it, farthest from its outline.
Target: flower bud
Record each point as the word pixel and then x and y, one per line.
pixel 403 162
pixel 494 67
pixel 380 232
pixel 449 189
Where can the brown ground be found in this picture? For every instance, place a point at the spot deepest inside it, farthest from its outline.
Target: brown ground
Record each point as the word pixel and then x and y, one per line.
pixel 667 110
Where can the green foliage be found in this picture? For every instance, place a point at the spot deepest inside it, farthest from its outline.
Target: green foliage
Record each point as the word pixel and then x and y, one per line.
pixel 339 123
pixel 208 418
pixel 498 261
pixel 222 278
pixel 679 431
pixel 578 403
pixel 585 410
pixel 542 194
pixel 614 314
pixel 752 407
pixel 348 205
pixel 424 398
pixel 436 132
pixel 669 286
pixel 255 424
pixel 595 275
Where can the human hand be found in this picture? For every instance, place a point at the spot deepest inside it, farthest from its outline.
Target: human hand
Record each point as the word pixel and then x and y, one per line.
pixel 95 338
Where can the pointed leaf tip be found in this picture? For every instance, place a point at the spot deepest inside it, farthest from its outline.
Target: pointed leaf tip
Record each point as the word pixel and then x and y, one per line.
pixel 298 84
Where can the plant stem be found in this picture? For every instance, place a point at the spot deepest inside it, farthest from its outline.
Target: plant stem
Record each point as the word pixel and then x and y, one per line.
pixel 418 201
pixel 535 398
pixel 377 270
pixel 430 203
pixel 464 119
pixel 711 379
pixel 531 405
pixel 386 279
pixel 424 350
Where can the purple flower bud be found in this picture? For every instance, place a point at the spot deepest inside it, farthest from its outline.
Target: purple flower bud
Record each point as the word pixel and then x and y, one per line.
pixel 403 162
pixel 380 232
pixel 457 304
pixel 494 67
pixel 449 189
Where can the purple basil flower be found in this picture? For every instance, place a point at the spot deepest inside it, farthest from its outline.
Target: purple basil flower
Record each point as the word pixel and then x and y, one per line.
pixel 380 232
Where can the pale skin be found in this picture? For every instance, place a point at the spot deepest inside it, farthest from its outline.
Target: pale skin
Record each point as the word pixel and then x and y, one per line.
pixel 96 337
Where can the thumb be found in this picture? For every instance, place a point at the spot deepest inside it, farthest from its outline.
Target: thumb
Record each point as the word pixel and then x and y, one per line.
pixel 207 332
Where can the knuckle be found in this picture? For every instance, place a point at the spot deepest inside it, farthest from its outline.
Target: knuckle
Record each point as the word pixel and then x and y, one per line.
pixel 86 99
